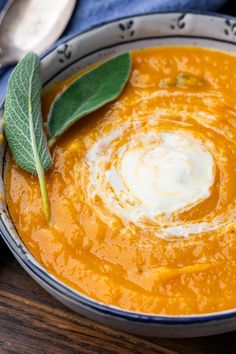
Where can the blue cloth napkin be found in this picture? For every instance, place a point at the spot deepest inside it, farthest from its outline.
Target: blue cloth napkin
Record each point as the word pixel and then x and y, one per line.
pixel 89 13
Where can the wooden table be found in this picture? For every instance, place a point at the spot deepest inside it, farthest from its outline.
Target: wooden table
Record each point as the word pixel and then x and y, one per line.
pixel 32 322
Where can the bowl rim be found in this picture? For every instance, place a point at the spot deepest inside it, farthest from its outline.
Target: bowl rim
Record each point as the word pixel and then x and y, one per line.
pixel 104 23
pixel 27 260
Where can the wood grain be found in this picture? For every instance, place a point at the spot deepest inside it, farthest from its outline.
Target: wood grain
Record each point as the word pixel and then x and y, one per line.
pixel 31 321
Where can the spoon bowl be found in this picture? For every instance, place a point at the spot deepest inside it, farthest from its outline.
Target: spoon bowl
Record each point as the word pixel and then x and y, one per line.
pixel 31 25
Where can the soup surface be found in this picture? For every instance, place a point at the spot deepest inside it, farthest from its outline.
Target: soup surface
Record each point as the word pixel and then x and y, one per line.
pixel 143 191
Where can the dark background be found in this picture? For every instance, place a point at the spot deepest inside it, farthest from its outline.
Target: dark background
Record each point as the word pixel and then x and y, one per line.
pixel 229 8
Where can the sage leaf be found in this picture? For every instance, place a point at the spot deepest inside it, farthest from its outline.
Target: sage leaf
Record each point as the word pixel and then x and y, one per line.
pixel 23 122
pixel 87 93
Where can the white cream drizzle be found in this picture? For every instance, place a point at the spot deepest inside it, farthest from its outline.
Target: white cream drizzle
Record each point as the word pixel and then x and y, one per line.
pixel 169 174
pixel 153 174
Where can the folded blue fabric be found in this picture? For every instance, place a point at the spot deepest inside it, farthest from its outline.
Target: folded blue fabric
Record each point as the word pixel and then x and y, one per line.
pixel 89 13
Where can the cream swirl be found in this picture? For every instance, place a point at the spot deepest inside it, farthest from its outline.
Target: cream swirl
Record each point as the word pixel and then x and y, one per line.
pixel 142 175
pixel 164 167
pixel 171 172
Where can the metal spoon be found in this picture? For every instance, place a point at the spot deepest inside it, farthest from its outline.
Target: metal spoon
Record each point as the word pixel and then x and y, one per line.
pixel 31 25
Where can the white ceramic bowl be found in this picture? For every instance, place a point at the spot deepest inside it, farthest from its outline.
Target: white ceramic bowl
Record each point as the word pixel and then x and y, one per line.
pixel 74 54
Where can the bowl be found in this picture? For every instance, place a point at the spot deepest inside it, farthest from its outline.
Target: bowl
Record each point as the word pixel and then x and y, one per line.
pixel 81 51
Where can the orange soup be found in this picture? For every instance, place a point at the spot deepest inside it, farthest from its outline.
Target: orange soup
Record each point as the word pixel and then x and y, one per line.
pixel 143 191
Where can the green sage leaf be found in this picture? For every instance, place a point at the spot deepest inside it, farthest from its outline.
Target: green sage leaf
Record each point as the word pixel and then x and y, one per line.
pixel 23 121
pixel 89 92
